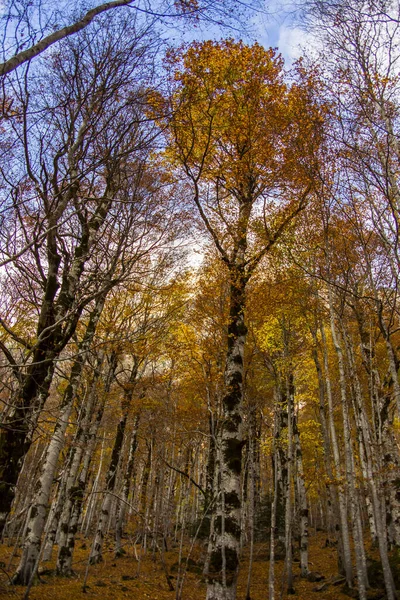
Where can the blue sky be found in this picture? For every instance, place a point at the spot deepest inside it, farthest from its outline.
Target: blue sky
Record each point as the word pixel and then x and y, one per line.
pixel 277 27
pixel 280 30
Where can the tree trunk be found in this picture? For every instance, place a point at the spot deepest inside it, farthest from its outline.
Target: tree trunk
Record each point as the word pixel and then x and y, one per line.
pixel 337 470
pixel 301 500
pixel 288 499
pixel 349 460
pixel 17 431
pixel 251 503
pixel 224 559
pixel 44 484
pixel 271 573
pixel 280 467
pixel 83 436
pixel 78 496
pixel 369 468
pixel 332 511
pixel 126 486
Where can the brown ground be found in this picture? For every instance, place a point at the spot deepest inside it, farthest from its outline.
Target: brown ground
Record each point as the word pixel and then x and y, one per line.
pixel 116 579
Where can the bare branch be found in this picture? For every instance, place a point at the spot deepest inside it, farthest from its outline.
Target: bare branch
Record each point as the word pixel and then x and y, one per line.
pixel 22 57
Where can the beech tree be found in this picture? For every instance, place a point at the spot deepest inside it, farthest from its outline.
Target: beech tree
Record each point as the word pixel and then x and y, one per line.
pixel 236 134
pixel 83 194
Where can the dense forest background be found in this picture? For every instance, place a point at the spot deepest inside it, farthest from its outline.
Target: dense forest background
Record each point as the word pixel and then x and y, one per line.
pixel 199 324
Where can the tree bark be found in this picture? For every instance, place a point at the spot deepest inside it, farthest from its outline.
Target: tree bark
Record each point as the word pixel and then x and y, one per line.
pixel 349 460
pixel 96 553
pixel 369 468
pixel 126 486
pixel 251 499
pixel 38 511
pixel 17 431
pixel 72 489
pixel 342 501
pixel 224 559
pixel 302 504
pixel 332 509
pixel 22 57
pixel 288 491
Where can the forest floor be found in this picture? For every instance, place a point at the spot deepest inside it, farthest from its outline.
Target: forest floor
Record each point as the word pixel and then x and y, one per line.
pixel 116 579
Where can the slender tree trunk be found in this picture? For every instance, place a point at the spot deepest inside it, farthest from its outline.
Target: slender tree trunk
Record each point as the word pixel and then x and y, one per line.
pixel 210 472
pixel 44 484
pixel 145 477
pixel 280 467
pixel 392 356
pixel 97 546
pixel 251 503
pixel 212 502
pixel 70 485
pixel 350 467
pixel 224 560
pixel 92 501
pixel 73 491
pixel 302 500
pixel 271 574
pixel 126 486
pixel 369 468
pixel 337 469
pixel 244 526
pixel 288 511
pixel 79 492
pixel 54 518
pixel 332 511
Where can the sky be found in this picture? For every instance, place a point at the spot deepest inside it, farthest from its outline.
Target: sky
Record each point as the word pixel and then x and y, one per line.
pixel 280 29
pixel 291 40
pixel 276 27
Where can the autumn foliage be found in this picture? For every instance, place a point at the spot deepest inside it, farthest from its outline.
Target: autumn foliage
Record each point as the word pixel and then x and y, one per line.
pixel 199 328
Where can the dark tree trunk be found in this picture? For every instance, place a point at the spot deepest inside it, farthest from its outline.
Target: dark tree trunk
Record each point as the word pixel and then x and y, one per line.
pixel 17 431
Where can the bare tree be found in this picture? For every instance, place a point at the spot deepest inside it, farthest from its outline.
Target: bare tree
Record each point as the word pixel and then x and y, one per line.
pixel 81 190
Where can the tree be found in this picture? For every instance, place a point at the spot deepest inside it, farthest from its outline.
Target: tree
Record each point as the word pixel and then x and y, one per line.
pixel 237 132
pixel 87 198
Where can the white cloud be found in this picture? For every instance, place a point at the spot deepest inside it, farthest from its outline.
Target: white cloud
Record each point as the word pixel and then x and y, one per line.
pixel 294 42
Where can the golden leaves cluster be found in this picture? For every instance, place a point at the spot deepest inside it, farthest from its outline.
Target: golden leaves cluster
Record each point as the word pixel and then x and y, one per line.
pixel 233 119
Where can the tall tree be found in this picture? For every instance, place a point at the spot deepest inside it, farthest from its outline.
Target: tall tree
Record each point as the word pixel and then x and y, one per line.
pixel 237 132
pixel 85 196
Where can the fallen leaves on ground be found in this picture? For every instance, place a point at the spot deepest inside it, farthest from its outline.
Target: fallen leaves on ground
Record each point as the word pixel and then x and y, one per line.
pixel 117 579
